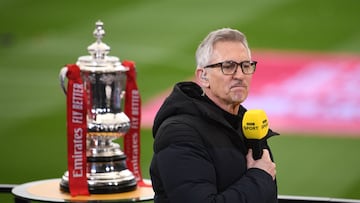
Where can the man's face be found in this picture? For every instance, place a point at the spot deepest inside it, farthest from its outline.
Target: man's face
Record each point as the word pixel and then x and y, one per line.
pixel 228 90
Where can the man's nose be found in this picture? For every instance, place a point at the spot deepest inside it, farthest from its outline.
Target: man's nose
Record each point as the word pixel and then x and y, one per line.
pixel 238 73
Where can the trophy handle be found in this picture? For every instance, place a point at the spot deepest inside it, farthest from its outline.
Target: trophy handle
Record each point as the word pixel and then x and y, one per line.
pixel 62 76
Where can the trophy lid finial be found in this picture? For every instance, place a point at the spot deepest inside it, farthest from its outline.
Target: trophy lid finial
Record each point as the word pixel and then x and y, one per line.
pixel 98 49
pixel 98 60
pixel 99 31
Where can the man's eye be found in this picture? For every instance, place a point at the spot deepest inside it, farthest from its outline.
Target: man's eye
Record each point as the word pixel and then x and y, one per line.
pixel 228 65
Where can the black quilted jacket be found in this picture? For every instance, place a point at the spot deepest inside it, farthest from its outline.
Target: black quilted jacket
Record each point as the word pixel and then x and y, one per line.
pixel 199 153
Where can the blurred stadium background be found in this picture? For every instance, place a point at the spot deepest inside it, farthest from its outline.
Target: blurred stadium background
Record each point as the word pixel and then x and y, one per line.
pixel 37 38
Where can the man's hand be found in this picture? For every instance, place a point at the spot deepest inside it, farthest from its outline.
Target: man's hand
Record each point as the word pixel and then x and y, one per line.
pixel 265 163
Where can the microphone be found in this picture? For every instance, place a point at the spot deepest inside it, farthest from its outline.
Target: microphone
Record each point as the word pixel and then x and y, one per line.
pixel 255 126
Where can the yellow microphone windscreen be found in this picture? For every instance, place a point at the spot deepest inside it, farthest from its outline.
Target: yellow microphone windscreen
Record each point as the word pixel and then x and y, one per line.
pixel 255 124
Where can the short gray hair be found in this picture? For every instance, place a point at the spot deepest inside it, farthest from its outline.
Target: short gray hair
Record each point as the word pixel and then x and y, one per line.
pixel 205 49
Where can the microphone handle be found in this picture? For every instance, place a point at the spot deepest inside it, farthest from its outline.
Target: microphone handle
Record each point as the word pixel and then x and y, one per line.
pixel 257 148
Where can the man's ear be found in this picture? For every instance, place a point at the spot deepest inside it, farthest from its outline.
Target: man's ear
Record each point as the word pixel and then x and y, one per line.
pixel 202 78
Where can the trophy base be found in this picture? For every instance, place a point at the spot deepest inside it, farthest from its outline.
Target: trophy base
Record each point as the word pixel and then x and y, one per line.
pixel 105 175
pixel 109 188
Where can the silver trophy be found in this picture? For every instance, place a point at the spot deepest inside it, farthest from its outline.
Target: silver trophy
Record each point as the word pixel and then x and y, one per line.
pixel 104 80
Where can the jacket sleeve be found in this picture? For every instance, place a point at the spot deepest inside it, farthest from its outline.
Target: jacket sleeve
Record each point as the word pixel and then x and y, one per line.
pixel 188 175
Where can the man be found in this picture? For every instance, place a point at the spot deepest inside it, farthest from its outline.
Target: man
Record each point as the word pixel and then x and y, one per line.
pixel 200 152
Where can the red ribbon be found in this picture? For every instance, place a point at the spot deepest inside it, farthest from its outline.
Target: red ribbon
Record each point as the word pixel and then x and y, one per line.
pixel 76 132
pixel 133 111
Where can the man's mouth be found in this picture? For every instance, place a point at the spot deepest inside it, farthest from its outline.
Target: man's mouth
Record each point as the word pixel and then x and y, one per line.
pixel 238 86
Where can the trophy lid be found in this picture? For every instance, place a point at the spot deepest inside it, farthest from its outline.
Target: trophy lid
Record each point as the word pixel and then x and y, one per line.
pixel 99 61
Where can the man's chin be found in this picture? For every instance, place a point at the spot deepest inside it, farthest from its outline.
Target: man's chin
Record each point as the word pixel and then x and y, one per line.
pixel 239 98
